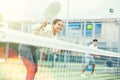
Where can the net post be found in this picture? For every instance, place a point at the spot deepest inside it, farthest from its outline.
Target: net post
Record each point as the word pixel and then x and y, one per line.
pixel 119 36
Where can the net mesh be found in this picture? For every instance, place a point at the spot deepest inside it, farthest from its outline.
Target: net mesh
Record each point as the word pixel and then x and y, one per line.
pixel 58 60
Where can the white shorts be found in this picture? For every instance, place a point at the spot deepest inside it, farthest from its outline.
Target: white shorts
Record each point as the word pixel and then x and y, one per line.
pixel 89 59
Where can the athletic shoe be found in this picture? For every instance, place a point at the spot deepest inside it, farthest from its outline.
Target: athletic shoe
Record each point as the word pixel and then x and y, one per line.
pixel 94 74
pixel 83 75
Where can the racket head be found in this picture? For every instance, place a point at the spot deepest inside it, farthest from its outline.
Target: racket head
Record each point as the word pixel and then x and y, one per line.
pixel 52 10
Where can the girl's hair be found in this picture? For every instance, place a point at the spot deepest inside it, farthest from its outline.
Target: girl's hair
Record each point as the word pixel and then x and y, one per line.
pixel 56 20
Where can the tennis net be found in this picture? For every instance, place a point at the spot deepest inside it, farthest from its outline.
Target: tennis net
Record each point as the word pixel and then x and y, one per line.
pixel 58 60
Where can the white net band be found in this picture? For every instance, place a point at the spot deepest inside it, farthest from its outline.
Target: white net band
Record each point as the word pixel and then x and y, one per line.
pixel 30 39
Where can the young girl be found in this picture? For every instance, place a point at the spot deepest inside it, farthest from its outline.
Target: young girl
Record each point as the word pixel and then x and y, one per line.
pixel 27 52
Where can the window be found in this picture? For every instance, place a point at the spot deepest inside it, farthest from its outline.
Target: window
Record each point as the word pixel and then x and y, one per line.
pixel 74 25
pixel 89 29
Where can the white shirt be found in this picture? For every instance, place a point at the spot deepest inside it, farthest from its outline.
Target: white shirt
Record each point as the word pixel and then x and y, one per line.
pixel 45 31
pixel 91 46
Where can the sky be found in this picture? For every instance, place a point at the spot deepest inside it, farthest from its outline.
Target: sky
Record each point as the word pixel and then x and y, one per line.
pixel 70 9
